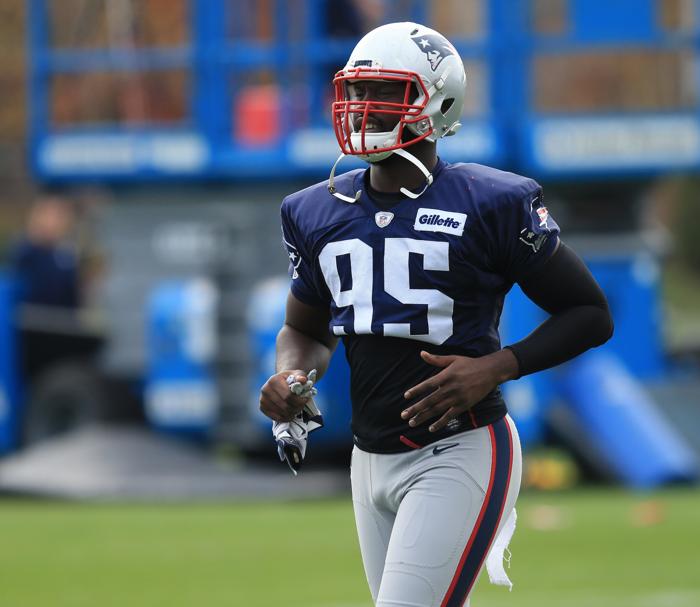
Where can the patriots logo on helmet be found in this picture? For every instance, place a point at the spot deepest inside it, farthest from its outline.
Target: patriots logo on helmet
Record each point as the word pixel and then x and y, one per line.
pixel 435 47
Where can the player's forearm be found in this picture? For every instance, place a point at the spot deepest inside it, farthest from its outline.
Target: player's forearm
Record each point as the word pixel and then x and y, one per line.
pixel 563 337
pixel 297 350
pixel 580 317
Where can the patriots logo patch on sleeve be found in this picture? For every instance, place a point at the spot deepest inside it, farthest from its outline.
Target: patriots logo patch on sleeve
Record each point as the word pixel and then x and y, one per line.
pixel 540 224
pixel 435 47
pixel 294 257
pixel 539 212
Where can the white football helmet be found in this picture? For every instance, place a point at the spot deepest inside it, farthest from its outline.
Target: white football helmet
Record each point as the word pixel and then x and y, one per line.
pixel 400 52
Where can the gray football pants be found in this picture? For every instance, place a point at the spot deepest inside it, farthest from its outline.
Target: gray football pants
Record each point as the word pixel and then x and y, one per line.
pixel 427 518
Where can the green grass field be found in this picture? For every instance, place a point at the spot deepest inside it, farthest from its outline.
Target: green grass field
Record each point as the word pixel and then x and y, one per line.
pixel 575 549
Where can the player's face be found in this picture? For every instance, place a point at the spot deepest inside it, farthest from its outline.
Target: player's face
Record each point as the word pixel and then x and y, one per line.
pixel 377 91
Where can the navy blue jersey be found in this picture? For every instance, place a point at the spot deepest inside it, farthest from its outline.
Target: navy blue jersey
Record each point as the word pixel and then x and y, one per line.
pixel 430 273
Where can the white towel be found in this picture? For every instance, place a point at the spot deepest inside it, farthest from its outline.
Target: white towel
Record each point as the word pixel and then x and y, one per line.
pixel 499 553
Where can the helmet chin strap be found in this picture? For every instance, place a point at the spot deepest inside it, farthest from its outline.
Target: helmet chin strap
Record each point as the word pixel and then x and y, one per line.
pixel 331 185
pixel 406 192
pixel 421 167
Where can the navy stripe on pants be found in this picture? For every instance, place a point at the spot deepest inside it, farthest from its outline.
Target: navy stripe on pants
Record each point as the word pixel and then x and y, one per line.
pixel 484 531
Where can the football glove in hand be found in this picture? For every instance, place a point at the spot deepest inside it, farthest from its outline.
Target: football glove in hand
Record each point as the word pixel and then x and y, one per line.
pixel 292 437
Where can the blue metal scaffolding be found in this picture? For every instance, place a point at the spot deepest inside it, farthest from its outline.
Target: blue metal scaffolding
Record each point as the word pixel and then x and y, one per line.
pixel 224 61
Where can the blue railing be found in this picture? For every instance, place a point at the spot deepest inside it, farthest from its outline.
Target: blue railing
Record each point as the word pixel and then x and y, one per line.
pixel 257 106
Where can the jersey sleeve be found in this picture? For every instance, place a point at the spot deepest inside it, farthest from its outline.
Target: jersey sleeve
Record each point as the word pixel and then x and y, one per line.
pixel 301 268
pixel 526 237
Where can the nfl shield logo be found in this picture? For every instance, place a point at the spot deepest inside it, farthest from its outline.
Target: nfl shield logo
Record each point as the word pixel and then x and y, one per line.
pixel 383 218
pixel 543 214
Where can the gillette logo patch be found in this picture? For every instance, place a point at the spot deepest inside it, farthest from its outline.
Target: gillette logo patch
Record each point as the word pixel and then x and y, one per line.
pixel 434 220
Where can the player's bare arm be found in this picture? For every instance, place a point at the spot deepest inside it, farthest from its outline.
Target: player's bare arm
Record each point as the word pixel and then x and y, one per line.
pixel 580 319
pixel 303 343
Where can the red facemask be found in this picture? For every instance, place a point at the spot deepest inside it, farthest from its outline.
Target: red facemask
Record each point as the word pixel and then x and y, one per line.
pixel 346 111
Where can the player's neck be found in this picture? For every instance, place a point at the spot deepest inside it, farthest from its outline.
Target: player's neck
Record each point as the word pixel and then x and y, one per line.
pixel 394 173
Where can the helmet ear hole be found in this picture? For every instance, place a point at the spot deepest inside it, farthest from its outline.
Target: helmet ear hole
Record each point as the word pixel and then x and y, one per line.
pixel 446 105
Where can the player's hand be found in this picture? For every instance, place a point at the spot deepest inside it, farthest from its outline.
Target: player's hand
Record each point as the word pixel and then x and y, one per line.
pixel 461 383
pixel 277 401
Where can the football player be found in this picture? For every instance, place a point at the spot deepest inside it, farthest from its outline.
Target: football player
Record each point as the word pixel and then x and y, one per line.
pixel 409 262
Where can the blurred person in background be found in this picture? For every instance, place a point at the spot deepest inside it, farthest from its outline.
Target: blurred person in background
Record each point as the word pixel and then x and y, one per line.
pixel 409 262
pixel 58 339
pixel 344 19
pixel 352 18
pixel 44 260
